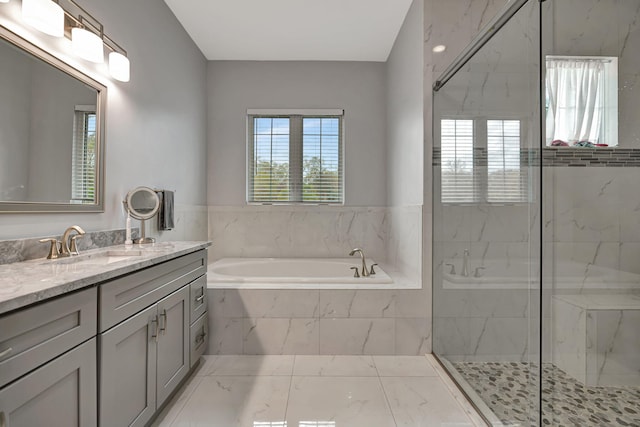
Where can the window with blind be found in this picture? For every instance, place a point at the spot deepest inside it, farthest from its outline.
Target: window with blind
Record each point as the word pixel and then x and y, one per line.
pixel 83 161
pixel 481 161
pixel 295 158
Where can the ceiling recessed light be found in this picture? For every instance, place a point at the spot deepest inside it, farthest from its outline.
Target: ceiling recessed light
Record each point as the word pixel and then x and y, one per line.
pixel 439 48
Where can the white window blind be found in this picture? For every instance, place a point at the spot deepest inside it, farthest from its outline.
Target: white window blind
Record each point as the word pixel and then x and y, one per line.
pixel 506 178
pixel 83 162
pixel 481 161
pixel 458 178
pixel 295 159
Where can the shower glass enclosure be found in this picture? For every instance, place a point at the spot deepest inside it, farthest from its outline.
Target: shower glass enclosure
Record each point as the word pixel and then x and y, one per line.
pixel 536 279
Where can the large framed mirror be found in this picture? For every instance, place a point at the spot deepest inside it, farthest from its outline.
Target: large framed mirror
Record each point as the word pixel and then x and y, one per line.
pixel 52 120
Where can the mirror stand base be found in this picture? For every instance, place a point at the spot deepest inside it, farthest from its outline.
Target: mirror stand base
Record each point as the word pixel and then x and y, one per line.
pixel 145 240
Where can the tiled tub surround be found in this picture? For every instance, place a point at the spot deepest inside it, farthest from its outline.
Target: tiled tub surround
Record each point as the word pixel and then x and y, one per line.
pixel 27 282
pixel 390 235
pixel 249 321
pixel 320 321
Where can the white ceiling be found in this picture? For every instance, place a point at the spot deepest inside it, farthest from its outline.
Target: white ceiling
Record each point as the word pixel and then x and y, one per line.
pixel 292 30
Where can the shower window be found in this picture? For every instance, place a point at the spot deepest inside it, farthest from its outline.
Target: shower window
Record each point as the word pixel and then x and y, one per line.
pixel 481 161
pixel 295 158
pixel 582 100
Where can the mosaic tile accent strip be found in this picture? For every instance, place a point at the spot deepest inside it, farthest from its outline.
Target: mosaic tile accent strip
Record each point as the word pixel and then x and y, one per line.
pixel 504 387
pixel 25 249
pixel 562 157
pixel 591 157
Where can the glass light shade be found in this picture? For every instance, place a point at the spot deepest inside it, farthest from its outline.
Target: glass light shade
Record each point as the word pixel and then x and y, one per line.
pixel 4 1
pixel 119 66
pixel 44 15
pixel 87 45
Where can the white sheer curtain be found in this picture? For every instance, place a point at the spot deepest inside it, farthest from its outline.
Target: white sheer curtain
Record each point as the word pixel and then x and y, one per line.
pixel 575 96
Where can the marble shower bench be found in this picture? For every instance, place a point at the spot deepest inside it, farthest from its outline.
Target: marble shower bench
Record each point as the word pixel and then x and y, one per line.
pixel 595 338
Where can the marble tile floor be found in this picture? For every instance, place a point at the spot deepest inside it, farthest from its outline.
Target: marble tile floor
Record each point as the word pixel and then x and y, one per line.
pixel 505 386
pixel 319 391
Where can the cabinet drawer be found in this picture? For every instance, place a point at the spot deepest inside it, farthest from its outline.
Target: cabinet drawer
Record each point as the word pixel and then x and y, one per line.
pixel 199 333
pixel 121 298
pixel 34 335
pixel 59 393
pixel 198 297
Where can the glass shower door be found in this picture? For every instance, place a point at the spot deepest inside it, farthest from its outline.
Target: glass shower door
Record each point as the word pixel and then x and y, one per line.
pixel 487 233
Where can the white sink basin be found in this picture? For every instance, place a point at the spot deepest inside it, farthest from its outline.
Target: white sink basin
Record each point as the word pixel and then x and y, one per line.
pixel 100 258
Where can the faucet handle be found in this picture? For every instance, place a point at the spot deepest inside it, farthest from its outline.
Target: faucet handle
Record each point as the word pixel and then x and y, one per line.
pixel 74 246
pixel 355 272
pixel 477 272
pixel 372 272
pixel 54 250
pixel 453 268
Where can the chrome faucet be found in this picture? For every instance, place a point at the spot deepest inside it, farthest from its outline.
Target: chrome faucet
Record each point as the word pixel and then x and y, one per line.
pixel 465 263
pixel 65 250
pixel 365 271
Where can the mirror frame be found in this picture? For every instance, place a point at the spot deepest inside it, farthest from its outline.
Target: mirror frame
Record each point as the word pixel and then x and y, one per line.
pixel 133 212
pixel 101 104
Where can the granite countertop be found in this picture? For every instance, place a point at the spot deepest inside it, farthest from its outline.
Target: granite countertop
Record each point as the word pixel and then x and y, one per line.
pixel 24 283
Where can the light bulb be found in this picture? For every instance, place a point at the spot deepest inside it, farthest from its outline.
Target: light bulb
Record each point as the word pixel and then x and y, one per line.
pixel 87 45
pixel 44 15
pixel 119 66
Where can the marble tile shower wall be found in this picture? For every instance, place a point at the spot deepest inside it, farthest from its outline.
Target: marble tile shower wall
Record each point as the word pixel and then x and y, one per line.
pixel 251 321
pixel 593 217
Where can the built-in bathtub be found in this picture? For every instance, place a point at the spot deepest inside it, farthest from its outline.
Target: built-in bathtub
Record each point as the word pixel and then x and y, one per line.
pixel 296 273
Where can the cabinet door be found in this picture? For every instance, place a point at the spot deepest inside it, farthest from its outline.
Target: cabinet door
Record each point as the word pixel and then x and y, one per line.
pixel 173 342
pixel 61 393
pixel 127 371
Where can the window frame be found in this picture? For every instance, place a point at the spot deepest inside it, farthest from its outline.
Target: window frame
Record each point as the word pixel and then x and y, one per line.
pixel 480 139
pixel 296 117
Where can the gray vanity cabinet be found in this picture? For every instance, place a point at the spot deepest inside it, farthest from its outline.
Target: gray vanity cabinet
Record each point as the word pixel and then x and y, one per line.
pixel 145 356
pixel 173 343
pixel 48 363
pixel 59 393
pixel 127 371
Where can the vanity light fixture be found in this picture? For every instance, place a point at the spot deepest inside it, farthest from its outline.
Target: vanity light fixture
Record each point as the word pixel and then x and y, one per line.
pixel 67 18
pixel 119 65
pixel 45 16
pixel 4 1
pixel 87 45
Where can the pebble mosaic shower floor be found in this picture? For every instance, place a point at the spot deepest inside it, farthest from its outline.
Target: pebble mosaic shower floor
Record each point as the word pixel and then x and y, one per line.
pixel 566 403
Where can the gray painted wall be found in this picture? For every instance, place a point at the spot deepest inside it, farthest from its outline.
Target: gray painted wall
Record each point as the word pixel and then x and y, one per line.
pixel 156 129
pixel 405 112
pixel 358 87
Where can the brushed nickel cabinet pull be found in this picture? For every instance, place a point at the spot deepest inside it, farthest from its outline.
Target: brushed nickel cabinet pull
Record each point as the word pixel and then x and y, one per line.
pixel 154 328
pixel 5 352
pixel 163 317
pixel 200 298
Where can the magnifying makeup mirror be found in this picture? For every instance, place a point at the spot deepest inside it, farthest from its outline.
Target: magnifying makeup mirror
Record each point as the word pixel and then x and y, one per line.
pixel 142 203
